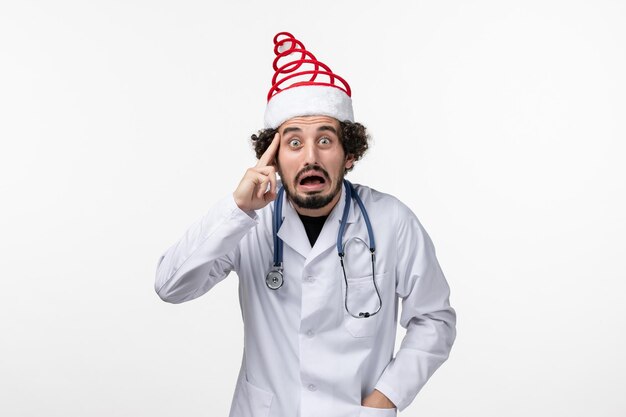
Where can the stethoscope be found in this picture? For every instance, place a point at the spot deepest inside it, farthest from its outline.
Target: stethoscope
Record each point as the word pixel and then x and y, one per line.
pixel 274 278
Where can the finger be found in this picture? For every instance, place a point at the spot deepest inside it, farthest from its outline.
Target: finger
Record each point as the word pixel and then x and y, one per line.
pixel 269 196
pixel 266 170
pixel 268 156
pixel 272 178
pixel 269 171
pixel 262 187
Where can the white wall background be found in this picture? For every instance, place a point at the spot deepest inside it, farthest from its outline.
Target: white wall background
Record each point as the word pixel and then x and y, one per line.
pixel 500 123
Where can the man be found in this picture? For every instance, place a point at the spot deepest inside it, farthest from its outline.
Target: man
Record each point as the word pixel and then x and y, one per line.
pixel 322 265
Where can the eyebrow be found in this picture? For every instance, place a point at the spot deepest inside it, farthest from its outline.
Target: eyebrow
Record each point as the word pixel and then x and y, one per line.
pixel 322 128
pixel 291 129
pixel 319 129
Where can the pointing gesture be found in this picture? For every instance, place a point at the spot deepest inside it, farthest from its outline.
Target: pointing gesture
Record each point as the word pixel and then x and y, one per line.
pixel 252 193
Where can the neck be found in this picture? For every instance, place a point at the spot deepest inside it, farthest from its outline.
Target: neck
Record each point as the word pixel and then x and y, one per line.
pixel 322 211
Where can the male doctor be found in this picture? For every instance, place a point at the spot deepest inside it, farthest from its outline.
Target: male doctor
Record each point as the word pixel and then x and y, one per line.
pixel 322 264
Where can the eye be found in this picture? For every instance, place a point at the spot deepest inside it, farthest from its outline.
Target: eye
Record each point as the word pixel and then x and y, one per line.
pixel 325 141
pixel 294 143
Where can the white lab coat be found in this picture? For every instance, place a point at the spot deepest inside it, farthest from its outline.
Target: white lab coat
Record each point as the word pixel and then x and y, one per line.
pixel 304 355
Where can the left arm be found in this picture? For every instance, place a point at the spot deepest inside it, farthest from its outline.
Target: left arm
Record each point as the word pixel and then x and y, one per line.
pixel 429 320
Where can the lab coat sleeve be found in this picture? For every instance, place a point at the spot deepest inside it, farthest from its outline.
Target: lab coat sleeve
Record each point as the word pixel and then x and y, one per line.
pixel 205 254
pixel 429 320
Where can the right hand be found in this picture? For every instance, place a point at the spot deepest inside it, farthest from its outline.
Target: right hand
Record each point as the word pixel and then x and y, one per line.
pixel 252 193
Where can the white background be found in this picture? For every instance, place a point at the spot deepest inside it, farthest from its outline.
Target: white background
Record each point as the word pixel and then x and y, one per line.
pixel 501 124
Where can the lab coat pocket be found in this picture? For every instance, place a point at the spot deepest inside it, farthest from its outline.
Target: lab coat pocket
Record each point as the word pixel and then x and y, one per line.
pixel 362 297
pixel 378 412
pixel 253 401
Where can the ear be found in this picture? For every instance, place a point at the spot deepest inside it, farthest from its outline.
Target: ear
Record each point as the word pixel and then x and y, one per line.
pixel 349 161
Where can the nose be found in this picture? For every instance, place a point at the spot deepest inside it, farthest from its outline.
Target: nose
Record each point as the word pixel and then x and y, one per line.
pixel 310 154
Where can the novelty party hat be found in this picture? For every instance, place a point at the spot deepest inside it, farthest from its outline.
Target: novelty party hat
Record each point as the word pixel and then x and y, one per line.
pixel 304 86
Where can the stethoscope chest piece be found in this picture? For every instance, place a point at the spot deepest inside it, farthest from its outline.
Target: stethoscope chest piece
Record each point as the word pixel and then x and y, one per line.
pixel 274 278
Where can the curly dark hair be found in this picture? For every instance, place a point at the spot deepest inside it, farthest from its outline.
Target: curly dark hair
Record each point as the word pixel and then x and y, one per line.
pixel 353 136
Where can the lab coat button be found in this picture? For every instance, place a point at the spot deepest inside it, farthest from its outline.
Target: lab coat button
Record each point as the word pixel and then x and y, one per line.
pixel 312 387
pixel 309 279
pixel 310 333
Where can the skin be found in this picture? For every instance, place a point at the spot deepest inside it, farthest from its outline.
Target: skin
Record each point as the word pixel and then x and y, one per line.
pixel 300 144
pixel 311 145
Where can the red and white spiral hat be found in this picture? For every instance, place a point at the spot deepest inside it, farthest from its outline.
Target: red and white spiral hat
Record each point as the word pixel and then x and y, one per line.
pixel 304 86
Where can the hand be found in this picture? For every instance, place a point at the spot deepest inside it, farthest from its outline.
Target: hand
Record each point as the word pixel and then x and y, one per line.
pixel 377 400
pixel 252 193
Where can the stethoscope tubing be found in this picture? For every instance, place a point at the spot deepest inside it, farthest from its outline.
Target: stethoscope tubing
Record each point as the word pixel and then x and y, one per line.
pixel 275 278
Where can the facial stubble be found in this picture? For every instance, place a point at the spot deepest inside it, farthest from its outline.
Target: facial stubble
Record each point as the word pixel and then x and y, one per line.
pixel 312 201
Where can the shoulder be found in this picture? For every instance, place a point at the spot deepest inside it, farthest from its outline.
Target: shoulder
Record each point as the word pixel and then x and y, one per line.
pixel 391 212
pixel 379 200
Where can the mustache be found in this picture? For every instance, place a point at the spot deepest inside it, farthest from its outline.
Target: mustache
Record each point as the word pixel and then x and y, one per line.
pixel 312 168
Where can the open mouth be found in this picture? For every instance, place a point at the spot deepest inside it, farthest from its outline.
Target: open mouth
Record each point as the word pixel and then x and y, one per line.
pixel 312 181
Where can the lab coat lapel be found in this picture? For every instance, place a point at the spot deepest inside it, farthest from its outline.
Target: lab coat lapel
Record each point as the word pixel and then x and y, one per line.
pixel 292 230
pixel 328 235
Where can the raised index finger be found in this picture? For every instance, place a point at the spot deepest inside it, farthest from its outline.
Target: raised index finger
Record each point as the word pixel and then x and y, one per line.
pixel 269 154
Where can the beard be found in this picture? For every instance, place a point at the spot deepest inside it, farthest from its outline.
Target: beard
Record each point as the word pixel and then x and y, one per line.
pixel 313 200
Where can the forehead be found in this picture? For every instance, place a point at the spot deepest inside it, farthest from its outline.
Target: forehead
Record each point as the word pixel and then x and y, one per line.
pixel 308 122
